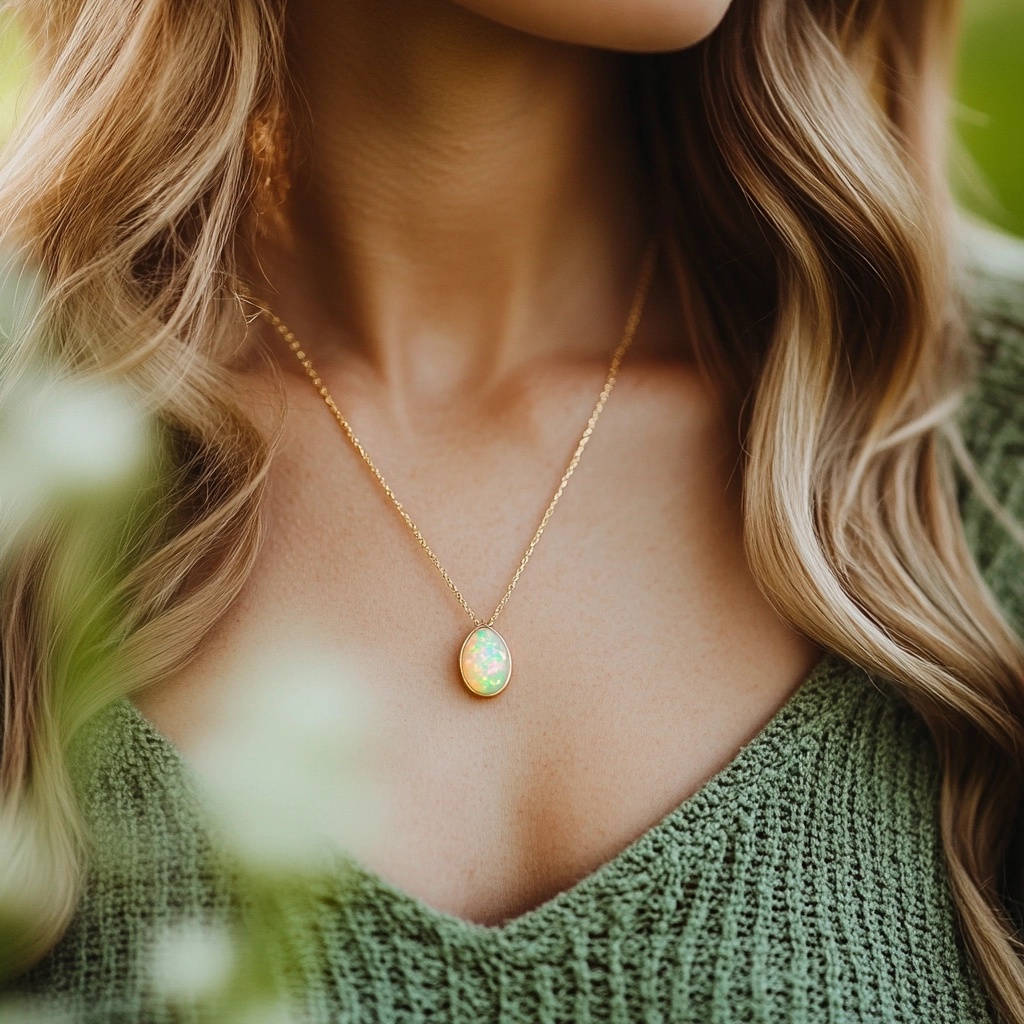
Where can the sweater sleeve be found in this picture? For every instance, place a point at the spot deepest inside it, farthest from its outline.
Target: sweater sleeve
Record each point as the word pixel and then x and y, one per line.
pixel 992 419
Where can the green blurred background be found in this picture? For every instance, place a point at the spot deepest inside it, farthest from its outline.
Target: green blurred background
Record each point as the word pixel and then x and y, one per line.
pixel 989 167
pixel 990 118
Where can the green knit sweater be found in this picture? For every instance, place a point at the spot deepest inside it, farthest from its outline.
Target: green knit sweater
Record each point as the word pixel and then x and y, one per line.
pixel 804 883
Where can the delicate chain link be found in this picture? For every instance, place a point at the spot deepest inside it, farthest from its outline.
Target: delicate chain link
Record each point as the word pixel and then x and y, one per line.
pixel 632 323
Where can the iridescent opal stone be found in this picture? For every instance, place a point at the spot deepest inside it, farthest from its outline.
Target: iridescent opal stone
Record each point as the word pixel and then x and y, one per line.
pixel 485 662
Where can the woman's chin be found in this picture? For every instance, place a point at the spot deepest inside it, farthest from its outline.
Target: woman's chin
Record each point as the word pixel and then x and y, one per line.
pixel 640 26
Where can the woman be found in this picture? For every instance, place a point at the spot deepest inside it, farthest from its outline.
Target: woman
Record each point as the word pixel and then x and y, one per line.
pixel 760 758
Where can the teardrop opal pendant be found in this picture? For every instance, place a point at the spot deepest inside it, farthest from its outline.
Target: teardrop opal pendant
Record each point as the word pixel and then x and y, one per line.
pixel 485 662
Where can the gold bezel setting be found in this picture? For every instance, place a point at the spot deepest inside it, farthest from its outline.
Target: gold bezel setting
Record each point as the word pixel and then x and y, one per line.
pixel 462 672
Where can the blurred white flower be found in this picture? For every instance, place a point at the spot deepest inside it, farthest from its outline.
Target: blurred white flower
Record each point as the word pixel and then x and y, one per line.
pixel 285 775
pixel 192 962
pixel 62 438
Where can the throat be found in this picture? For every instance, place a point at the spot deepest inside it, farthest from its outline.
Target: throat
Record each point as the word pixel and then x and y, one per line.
pixel 469 197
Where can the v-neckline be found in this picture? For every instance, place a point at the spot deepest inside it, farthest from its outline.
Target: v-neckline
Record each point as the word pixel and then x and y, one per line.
pixel 766 749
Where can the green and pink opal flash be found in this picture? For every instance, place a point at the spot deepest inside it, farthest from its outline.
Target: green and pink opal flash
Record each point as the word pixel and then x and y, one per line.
pixel 485 662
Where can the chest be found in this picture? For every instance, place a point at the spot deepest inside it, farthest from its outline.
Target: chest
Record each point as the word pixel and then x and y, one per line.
pixel 805 882
pixel 644 654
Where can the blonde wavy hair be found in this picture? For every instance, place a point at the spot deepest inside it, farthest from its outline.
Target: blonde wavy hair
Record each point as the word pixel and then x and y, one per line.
pixel 797 163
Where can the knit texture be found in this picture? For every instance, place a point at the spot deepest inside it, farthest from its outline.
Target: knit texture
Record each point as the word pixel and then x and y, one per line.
pixel 804 883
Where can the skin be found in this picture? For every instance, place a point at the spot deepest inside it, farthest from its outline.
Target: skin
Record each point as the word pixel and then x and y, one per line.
pixel 458 259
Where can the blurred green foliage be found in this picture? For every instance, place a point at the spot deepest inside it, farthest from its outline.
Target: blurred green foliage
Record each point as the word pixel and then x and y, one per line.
pixel 988 171
pixel 13 70
pixel 990 119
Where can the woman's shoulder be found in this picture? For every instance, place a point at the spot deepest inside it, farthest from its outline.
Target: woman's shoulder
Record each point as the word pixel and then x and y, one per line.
pixel 992 418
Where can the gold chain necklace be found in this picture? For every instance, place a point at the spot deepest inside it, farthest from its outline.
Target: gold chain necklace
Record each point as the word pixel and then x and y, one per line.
pixel 485 661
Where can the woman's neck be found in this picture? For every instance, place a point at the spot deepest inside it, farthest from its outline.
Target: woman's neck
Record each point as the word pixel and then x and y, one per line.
pixel 468 196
